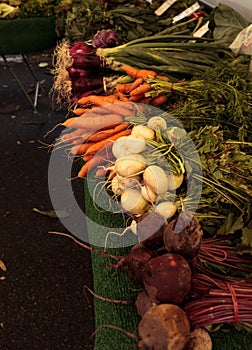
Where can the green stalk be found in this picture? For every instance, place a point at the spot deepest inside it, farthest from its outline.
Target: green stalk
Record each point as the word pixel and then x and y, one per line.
pixel 106 52
pixel 217 187
pixel 165 37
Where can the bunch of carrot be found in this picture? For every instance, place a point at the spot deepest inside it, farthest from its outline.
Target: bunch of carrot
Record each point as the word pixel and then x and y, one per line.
pixel 133 91
pixel 98 120
pixel 91 135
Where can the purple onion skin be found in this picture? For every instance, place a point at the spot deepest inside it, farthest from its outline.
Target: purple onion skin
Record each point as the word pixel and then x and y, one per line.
pixel 84 84
pixel 75 73
pixel 105 38
pixel 81 48
pixel 86 61
pixel 167 278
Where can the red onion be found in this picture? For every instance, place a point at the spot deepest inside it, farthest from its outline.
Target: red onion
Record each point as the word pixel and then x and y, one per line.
pixel 81 47
pixel 76 73
pixel 105 38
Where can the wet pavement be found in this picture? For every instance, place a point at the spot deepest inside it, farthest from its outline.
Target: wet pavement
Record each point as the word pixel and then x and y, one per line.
pixel 42 303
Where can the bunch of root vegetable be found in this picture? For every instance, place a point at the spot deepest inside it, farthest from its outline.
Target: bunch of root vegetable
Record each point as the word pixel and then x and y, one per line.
pixel 131 87
pixel 91 135
pixel 78 70
pixel 174 284
pixel 177 302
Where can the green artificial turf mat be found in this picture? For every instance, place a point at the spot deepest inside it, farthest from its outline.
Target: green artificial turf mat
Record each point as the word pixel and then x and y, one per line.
pixel 119 286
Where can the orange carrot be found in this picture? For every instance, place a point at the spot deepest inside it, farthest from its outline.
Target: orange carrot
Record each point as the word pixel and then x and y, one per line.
pixel 69 137
pixel 145 100
pixel 138 73
pixel 124 109
pixel 78 141
pixel 87 157
pixel 67 123
pixel 141 89
pixel 136 83
pixel 94 123
pixel 104 170
pixel 136 98
pixel 127 88
pixel 159 100
pixel 103 134
pixel 97 100
pixel 80 111
pixel 105 152
pixel 80 149
pixel 101 172
pixel 123 88
pixel 89 165
pixel 99 145
pixel 163 77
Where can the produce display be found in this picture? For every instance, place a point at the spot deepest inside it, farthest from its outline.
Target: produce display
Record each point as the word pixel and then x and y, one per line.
pixel 161 127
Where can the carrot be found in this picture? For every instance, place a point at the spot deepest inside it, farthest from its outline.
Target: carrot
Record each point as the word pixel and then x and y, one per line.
pixel 105 152
pixel 81 149
pixel 101 172
pixel 136 83
pixel 124 109
pixel 136 98
pixel 97 100
pixel 69 137
pixel 127 88
pixel 141 89
pixel 145 100
pixel 99 145
pixel 80 111
pixel 102 134
pixel 94 123
pixel 123 88
pixel 104 170
pixel 138 73
pixel 78 141
pixel 87 157
pixel 89 165
pixel 159 100
pixel 163 77
pixel 67 123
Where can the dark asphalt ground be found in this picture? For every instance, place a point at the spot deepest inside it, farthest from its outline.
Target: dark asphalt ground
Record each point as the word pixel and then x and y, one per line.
pixel 42 302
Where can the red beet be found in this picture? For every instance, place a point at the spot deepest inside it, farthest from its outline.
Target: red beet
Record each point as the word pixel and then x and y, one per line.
pixel 167 278
pixel 135 261
pixel 183 235
pixel 150 229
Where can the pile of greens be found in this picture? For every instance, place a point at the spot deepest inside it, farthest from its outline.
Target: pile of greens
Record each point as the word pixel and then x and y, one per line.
pixel 79 21
pixel 27 8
